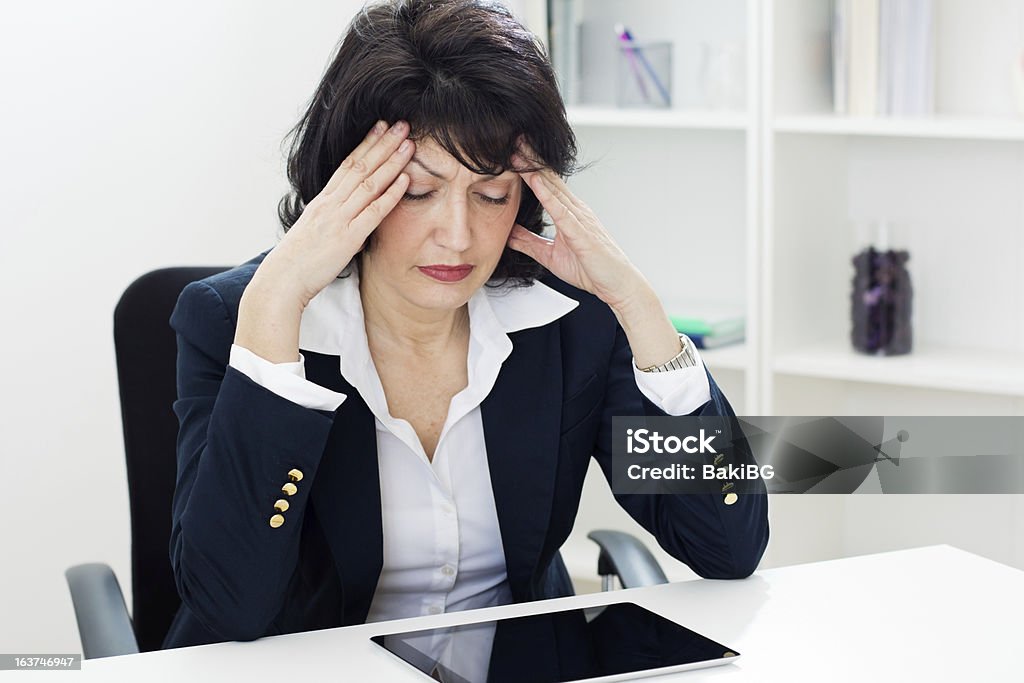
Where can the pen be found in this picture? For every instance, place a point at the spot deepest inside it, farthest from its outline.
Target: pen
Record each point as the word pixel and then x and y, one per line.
pixel 631 56
pixel 626 36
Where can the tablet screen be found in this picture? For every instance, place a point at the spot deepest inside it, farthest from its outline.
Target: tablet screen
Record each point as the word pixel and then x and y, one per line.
pixel 571 645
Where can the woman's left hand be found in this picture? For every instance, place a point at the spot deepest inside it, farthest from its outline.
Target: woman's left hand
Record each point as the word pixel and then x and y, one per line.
pixel 582 253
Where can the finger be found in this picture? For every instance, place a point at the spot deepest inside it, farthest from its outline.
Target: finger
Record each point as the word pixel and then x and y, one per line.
pixel 526 164
pixel 530 243
pixel 371 187
pixel 359 152
pixel 357 169
pixel 371 216
pixel 563 215
pixel 529 160
pixel 558 187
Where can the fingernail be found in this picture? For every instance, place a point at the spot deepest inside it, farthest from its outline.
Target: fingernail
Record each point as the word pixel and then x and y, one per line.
pixel 399 127
pixel 404 146
pixel 380 127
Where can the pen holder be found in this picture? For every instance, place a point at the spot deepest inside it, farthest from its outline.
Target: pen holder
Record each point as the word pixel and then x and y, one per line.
pixel 881 302
pixel 644 75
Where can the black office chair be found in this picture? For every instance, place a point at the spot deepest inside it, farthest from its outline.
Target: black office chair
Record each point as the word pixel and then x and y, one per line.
pixel 146 351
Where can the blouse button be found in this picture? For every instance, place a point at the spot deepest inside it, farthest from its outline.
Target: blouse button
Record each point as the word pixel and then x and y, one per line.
pixel 447 570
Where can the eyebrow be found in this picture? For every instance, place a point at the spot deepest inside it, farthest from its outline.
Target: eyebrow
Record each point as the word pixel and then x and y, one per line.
pixel 419 162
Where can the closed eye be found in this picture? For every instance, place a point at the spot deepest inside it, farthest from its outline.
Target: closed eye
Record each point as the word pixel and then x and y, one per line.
pixel 494 200
pixel 483 197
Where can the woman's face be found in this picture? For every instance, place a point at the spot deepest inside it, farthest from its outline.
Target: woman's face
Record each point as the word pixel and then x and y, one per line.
pixel 449 216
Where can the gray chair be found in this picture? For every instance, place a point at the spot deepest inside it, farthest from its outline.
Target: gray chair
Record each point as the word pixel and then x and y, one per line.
pixel 146 350
pixel 626 557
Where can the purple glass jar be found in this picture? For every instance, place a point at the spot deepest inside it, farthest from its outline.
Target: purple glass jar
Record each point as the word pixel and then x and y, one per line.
pixel 882 298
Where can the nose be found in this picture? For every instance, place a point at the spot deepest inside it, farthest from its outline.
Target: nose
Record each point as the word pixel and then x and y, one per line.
pixel 453 231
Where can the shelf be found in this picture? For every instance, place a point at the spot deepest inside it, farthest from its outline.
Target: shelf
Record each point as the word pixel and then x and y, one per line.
pixel 731 357
pixel 657 118
pixel 929 366
pixel 1006 129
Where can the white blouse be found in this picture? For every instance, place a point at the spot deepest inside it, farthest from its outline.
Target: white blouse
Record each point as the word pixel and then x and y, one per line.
pixel 442 544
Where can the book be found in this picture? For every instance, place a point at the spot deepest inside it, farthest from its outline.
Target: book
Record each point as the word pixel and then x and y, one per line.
pixel 840 55
pixel 704 342
pixel 883 57
pixel 863 95
pixel 887 53
pixel 707 319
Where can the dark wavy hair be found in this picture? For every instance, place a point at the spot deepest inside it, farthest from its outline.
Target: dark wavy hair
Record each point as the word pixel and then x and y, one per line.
pixel 463 72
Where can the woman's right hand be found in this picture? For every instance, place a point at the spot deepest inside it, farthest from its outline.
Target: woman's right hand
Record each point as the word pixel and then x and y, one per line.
pixel 335 223
pixel 331 230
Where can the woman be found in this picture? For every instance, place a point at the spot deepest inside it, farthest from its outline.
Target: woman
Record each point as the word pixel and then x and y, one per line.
pixel 391 412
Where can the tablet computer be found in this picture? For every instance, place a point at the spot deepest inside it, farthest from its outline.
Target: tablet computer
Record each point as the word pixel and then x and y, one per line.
pixel 614 642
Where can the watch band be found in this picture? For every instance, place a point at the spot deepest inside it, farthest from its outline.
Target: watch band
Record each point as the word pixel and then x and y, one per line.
pixel 683 359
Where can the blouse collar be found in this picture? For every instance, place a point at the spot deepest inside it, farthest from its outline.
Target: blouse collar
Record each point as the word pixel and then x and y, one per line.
pixel 333 324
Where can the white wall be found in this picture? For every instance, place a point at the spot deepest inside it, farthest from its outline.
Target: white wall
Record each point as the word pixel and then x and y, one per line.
pixel 136 135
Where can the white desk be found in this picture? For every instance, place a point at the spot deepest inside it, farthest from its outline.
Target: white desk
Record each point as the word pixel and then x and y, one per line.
pixel 929 614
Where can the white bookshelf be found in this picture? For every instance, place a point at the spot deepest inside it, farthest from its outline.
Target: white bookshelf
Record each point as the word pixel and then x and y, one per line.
pixel 655 118
pixel 930 366
pixel 760 207
pixel 950 128
pixel 954 182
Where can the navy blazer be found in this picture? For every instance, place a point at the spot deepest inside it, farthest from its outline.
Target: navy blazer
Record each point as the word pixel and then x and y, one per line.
pixel 549 411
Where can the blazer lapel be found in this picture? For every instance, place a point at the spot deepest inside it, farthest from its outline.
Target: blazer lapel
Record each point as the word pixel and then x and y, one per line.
pixel 346 492
pixel 521 429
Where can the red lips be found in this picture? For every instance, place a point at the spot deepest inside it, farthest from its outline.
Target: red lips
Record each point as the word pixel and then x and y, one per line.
pixel 443 273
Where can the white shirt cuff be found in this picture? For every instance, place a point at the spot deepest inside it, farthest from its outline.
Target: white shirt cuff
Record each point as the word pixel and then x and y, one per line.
pixel 287 380
pixel 677 392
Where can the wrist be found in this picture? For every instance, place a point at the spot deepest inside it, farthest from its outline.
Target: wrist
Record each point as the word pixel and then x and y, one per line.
pixel 268 324
pixel 275 288
pixel 285 278
pixel 638 308
pixel 651 335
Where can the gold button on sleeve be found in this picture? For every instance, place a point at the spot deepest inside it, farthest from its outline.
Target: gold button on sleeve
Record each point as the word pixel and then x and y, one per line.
pixel 289 488
pixel 276 521
pixel 731 498
pixel 295 475
pixel 281 505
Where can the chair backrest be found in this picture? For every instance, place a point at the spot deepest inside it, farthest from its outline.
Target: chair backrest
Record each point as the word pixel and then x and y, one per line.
pixel 146 351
